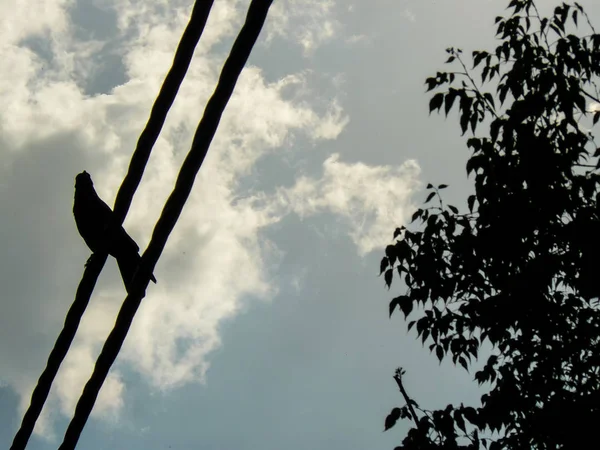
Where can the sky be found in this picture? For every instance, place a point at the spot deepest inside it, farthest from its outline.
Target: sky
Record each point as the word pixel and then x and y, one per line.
pixel 268 327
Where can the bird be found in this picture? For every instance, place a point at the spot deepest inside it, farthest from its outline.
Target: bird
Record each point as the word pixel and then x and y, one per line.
pixel 94 219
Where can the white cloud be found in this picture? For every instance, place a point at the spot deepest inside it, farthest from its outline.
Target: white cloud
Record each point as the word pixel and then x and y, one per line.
pixel 75 372
pixel 332 124
pixel 22 23
pixel 215 260
pixel 357 38
pixel 77 368
pixel 372 199
pixel 309 23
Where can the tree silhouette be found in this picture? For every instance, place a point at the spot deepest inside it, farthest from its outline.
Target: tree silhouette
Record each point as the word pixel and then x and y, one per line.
pixel 520 268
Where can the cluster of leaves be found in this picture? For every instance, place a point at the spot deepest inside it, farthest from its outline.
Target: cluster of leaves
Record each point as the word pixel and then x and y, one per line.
pixel 519 269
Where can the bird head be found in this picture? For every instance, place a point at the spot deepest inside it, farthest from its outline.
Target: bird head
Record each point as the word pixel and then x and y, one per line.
pixel 83 180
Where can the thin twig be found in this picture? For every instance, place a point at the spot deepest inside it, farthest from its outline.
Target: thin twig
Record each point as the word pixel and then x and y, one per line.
pixel 398 378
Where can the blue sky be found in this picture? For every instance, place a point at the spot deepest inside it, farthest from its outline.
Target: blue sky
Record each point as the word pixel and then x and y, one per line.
pixel 268 327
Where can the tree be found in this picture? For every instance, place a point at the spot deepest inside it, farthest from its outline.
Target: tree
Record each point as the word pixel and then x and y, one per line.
pixel 520 269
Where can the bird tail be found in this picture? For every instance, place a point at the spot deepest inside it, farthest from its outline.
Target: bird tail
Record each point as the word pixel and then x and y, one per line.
pixel 128 266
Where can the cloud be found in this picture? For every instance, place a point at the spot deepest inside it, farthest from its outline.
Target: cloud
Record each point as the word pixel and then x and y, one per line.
pixel 49 14
pixel 309 23
pixel 332 124
pixel 216 260
pixel 370 199
pixel 357 38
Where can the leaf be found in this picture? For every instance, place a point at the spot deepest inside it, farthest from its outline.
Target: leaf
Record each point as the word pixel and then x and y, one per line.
pixel 436 102
pixel 431 83
pixel 416 215
pixel 406 304
pixel 454 209
pixel 484 74
pixel 463 362
pixel 397 233
pixel 464 121
pixel 474 143
pixel 480 377
pixel 460 422
pixel 439 352
pixel 556 29
pixel 383 265
pixel 449 100
pixel 478 57
pixel 506 51
pixel 471 202
pixel 465 102
pixel 425 335
pixel 430 196
pixel 388 277
pixel 473 122
pixel 390 252
pixel 422 323
pixel 393 303
pixel 503 90
pixel 471 166
pixel 442 186
pixel 392 418
pixel 470 414
pixel 488 97
pixel 596 117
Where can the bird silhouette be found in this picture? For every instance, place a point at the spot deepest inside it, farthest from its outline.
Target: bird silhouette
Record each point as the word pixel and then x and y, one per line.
pixel 95 220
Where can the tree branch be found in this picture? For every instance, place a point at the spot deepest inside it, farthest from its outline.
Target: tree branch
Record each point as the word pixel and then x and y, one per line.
pixel 398 378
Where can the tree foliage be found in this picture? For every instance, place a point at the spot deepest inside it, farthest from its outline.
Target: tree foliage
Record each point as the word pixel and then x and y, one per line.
pixel 518 268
